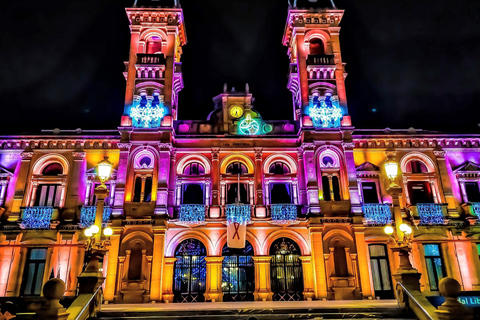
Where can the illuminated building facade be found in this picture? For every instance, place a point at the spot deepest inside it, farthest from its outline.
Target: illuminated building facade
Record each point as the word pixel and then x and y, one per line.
pixel 311 192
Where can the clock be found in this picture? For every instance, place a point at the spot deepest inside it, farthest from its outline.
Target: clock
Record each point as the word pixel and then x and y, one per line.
pixel 236 111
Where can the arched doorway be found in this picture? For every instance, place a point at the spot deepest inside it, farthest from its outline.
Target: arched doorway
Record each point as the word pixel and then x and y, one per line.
pixel 238 273
pixel 190 271
pixel 286 270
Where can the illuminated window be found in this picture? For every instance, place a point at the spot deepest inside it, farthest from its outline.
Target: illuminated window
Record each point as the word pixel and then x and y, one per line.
pixel 192 193
pixel 279 168
pixel 331 188
pixel 420 192
pixel 154 45
pixel 237 168
pixel 416 166
pixel 280 193
pixel 194 169
pixel 434 263
pixel 237 193
pixel 48 195
pixel 34 271
pixel 143 189
pixel 382 283
pixel 316 47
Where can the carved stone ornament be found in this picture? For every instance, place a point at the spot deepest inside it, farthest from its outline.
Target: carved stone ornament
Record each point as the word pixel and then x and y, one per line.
pixel 308 146
pixel 348 145
pixel 122 145
pixel 440 154
pixel 26 155
pixel 79 155
pixel 165 146
pixel 215 153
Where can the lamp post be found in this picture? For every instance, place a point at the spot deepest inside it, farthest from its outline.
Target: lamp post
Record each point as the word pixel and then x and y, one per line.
pixel 402 232
pixel 95 247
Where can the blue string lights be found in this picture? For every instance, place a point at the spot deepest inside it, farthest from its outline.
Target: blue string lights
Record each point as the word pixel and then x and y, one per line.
pixel 430 213
pixel 284 213
pixel 192 213
pixel 377 213
pixel 239 213
pixel 325 113
pixel 37 218
pixel 87 215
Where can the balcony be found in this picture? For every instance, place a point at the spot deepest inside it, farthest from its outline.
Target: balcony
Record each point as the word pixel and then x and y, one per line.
pixel 192 214
pixel 87 215
pixel 429 213
pixel 38 217
pixel 377 214
pixel 321 60
pixel 143 58
pixel 284 213
pixel 240 213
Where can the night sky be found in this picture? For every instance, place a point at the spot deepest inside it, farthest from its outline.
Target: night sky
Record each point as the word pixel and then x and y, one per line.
pixel 409 63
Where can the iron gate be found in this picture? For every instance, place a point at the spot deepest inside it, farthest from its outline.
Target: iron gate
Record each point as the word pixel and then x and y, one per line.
pixel 238 273
pixel 286 270
pixel 190 272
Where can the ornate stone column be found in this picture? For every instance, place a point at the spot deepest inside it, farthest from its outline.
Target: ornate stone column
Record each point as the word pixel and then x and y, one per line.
pixel 318 259
pixel 302 196
pixel 260 210
pixel 308 283
pixel 111 278
pixel 121 179
pixel 158 262
pixel 213 290
pixel 164 173
pixel 362 258
pixel 311 177
pixel 352 177
pixel 167 283
pixel 263 287
pixel 215 211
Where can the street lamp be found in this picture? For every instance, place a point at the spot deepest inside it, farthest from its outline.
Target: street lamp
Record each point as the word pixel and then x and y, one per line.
pixel 95 247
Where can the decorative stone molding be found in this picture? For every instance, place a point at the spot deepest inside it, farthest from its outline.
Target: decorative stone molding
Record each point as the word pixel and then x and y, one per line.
pixel 348 145
pixel 440 154
pixel 79 155
pixel 258 153
pixel 27 155
pixel 123 145
pixel 215 153
pixel 167 146
pixel 307 146
pixel 404 142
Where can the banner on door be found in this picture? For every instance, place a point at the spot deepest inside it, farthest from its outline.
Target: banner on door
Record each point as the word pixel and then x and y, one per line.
pixel 238 215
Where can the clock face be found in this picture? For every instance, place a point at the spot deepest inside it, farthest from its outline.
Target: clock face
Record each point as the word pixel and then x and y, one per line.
pixel 236 111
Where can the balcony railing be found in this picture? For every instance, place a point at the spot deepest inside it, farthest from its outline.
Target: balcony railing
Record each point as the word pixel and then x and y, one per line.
pixel 430 213
pixel 37 217
pixel 284 213
pixel 377 214
pixel 475 209
pixel 239 213
pixel 192 214
pixel 321 59
pixel 87 215
pixel 143 58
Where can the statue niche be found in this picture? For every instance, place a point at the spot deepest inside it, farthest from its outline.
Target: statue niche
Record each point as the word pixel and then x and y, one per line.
pixel 135 262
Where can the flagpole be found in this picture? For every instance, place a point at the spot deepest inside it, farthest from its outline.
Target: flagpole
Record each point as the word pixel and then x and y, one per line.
pixel 238 181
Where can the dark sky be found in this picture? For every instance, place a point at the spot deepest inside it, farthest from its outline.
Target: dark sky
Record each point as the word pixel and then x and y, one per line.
pixel 417 63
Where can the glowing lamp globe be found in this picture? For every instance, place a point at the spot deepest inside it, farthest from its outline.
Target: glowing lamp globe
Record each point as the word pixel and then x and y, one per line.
pixel 405 228
pixel 107 232
pixel 88 232
pixel 94 229
pixel 391 168
pixel 104 169
pixel 388 230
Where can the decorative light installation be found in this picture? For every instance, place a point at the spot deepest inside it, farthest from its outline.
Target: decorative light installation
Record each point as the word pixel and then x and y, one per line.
pixel 36 218
pixel 325 113
pixel 430 213
pixel 148 114
pixel 240 213
pixel 476 209
pixel 249 126
pixel 377 214
pixel 87 215
pixel 192 214
pixel 284 213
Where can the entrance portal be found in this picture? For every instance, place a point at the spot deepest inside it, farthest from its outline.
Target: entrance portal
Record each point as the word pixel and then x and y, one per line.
pixel 190 272
pixel 238 273
pixel 286 270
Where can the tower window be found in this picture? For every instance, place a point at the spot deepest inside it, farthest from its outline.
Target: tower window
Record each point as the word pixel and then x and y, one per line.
pixel 316 47
pixel 154 45
pixel 142 191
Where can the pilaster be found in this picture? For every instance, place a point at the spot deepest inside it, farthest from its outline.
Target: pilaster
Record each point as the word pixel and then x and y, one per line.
pixel 263 287
pixel 214 290
pixel 167 283
pixel 158 264
pixel 308 283
pixel 111 278
pixel 362 259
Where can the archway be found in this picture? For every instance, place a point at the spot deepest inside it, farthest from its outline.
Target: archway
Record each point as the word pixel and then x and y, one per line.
pixel 238 273
pixel 190 271
pixel 286 270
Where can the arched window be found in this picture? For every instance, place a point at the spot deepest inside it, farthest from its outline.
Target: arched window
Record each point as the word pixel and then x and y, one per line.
pixel 330 173
pixel 53 169
pixel 144 165
pixel 190 271
pixel 136 263
pixel 340 260
pixel 416 166
pixel 236 168
pixel 194 169
pixel 238 273
pixel 145 162
pixel 279 168
pixel 286 270
pixel 154 45
pixel 316 47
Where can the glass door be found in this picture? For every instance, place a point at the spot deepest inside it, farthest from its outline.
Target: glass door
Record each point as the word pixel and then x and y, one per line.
pixel 434 263
pixel 382 282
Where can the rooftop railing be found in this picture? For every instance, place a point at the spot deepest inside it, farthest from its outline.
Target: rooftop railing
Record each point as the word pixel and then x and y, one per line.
pixel 143 58
pixel 321 59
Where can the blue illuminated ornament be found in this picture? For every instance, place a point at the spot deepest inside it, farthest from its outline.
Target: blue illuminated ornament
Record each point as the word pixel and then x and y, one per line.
pixel 284 213
pixel 248 126
pixel 147 114
pixel 238 213
pixel 325 113
pixel 377 214
pixel 192 214
pixel 36 218
pixel 430 213
pixel 87 215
